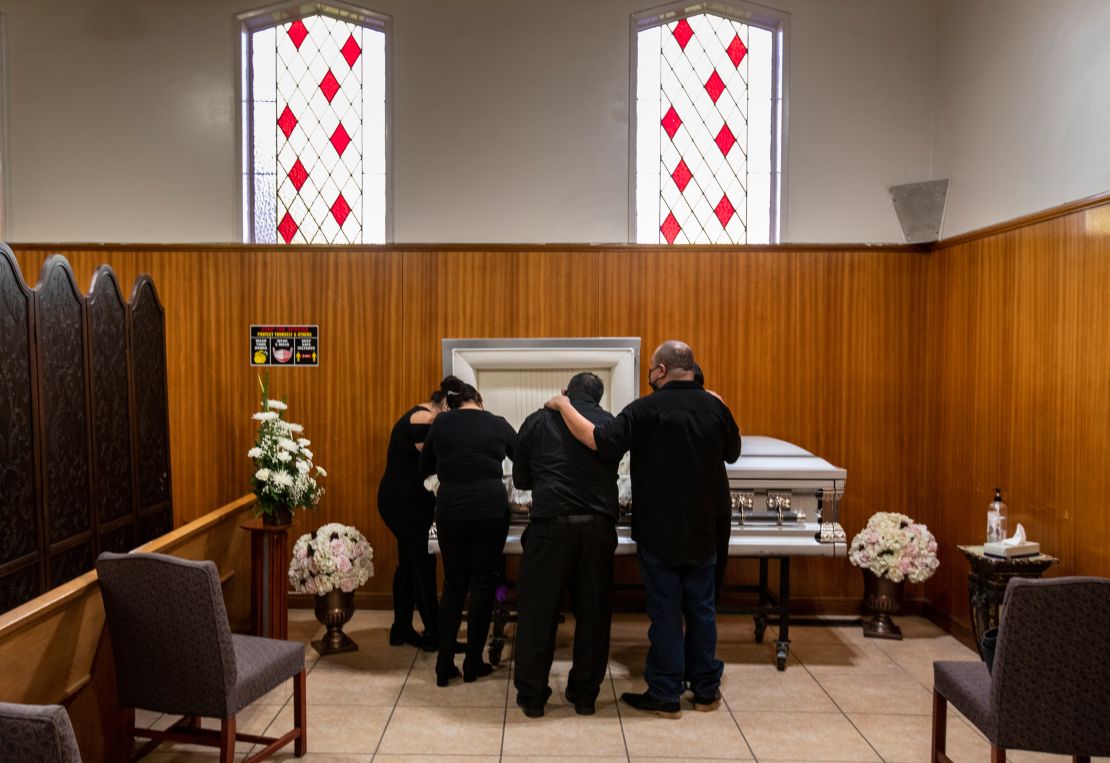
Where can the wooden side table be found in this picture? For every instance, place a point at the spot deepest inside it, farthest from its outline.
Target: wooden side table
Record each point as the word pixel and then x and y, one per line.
pixel 269 578
pixel 986 584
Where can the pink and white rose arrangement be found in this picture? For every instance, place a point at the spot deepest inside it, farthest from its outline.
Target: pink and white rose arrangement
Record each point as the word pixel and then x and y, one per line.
pixel 336 557
pixel 895 547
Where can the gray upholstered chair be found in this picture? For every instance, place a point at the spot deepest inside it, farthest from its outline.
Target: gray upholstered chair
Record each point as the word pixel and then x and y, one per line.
pixel 1050 688
pixel 175 653
pixel 37 734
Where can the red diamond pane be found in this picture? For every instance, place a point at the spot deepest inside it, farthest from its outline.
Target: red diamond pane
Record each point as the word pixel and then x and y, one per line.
pixel 682 33
pixel 670 228
pixel 340 140
pixel 298 174
pixel 736 50
pixel 287 228
pixel 725 140
pixel 287 121
pixel 340 209
pixel 681 175
pixel 724 210
pixel 351 51
pixel 297 33
pixel 714 86
pixel 329 86
pixel 671 122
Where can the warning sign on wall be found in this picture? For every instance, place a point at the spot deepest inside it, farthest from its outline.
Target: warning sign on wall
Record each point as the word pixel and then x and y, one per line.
pixel 285 345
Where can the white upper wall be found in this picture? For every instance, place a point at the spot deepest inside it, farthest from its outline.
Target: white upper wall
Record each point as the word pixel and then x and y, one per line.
pixel 1023 106
pixel 510 118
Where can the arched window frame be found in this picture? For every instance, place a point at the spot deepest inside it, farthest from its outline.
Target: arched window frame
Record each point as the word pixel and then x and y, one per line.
pixel 258 19
pixel 778 23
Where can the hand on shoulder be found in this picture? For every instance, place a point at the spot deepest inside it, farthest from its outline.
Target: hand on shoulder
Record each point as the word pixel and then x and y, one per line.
pixel 558 402
pixel 714 394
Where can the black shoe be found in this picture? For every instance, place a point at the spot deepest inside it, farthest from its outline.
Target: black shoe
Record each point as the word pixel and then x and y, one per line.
pixel 400 637
pixel 532 711
pixel 472 673
pixel 445 675
pixel 650 704
pixel 707 704
pixel 581 706
pixel 429 642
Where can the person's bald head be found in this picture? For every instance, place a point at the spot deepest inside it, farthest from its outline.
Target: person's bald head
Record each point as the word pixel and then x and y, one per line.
pixel 676 360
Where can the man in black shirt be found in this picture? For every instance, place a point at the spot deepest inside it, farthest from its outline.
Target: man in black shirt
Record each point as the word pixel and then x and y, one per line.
pixel 569 544
pixel 679 438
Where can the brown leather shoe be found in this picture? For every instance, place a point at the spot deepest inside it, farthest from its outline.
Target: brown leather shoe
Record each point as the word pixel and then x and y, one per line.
pixel 707 704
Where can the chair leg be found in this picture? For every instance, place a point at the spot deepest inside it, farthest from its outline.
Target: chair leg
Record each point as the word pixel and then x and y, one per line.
pixel 940 727
pixel 998 754
pixel 227 740
pixel 300 713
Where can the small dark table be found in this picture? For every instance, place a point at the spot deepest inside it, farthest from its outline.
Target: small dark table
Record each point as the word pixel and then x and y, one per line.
pixel 986 585
pixel 269 578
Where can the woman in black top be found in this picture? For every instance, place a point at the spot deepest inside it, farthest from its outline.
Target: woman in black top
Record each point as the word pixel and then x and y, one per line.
pixel 407 509
pixel 465 448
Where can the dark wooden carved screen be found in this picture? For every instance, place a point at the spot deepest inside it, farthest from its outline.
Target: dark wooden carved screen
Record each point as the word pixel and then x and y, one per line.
pixel 21 575
pixel 83 416
pixel 148 382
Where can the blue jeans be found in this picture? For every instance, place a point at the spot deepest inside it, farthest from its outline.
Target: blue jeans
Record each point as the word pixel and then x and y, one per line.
pixel 674 595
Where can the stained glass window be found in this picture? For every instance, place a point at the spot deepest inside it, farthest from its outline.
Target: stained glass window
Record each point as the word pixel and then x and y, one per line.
pixel 708 121
pixel 315 104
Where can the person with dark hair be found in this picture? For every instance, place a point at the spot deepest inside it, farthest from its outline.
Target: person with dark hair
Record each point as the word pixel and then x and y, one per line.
pixel 465 448
pixel 678 438
pixel 407 510
pixel 724 514
pixel 568 545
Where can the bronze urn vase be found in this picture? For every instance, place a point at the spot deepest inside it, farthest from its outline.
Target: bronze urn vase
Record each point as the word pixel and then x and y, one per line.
pixel 883 598
pixel 333 610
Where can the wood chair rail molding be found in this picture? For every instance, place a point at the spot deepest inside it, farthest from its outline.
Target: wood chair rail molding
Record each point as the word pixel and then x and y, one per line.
pixel 47 645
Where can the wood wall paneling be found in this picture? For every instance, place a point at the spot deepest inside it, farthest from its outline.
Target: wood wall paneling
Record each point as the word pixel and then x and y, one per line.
pixel 931 376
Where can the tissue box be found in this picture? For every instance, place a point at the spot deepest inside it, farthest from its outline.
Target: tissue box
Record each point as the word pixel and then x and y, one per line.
pixel 1006 551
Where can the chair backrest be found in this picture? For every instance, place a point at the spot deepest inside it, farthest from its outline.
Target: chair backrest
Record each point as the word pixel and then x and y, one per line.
pixel 1050 689
pixel 37 734
pixel 170 636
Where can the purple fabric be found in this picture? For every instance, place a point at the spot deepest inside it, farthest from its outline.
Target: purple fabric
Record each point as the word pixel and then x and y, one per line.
pixel 36 734
pixel 1050 689
pixel 173 648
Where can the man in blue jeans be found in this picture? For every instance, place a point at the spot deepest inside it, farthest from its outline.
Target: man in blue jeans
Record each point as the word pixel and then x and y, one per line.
pixel 679 437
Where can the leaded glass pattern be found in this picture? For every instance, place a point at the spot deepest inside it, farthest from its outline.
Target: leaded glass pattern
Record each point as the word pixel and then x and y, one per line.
pixel 318 132
pixel 705 132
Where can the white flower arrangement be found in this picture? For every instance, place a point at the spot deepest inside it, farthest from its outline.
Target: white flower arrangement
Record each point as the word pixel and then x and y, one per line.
pixel 283 476
pixel 895 547
pixel 337 557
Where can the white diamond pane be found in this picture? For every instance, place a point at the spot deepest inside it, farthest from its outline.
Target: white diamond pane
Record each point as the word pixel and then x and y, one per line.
pixel 691 66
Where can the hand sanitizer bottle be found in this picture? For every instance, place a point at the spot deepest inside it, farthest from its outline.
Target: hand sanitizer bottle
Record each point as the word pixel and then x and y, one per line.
pixel 997 519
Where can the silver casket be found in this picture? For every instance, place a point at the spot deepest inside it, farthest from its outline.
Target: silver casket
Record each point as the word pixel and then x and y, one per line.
pixel 785 500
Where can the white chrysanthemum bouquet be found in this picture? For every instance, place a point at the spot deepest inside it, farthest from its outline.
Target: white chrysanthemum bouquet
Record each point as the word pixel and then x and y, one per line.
pixel 337 557
pixel 895 547
pixel 283 477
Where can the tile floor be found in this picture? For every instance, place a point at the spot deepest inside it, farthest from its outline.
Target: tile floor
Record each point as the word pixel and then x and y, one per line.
pixel 841 698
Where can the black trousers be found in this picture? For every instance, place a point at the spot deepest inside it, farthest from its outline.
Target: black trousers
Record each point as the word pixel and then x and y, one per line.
pixel 472 562
pixel 414 583
pixel 559 556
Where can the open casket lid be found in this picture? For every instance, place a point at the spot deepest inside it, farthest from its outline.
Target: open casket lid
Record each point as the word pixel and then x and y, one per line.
pixel 767 459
